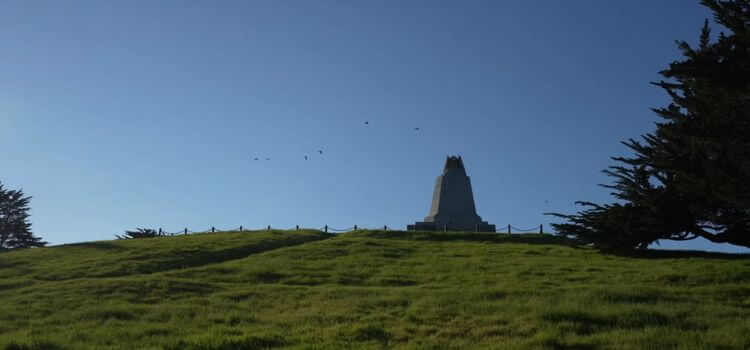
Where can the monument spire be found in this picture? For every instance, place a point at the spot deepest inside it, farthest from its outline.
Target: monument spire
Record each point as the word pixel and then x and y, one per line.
pixel 453 202
pixel 453 163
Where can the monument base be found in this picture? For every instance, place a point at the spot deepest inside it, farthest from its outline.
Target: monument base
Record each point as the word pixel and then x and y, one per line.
pixel 482 226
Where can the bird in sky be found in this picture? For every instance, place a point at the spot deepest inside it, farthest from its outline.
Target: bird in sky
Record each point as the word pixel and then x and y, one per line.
pixel 321 152
pixel 305 157
pixel 416 128
pixel 268 158
pixel 256 158
pixel 367 123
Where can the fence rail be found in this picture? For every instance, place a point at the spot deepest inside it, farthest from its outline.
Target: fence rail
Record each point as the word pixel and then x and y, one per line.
pixel 329 229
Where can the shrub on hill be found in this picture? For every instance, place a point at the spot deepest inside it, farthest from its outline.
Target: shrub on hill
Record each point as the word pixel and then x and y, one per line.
pixel 139 233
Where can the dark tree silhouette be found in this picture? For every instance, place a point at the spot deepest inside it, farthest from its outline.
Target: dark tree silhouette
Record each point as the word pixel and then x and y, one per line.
pixel 691 177
pixel 15 229
pixel 139 233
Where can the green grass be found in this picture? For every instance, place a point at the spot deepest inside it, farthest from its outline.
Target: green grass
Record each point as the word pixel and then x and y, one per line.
pixel 369 289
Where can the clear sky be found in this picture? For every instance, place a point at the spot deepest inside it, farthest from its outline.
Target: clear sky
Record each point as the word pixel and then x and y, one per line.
pixel 124 114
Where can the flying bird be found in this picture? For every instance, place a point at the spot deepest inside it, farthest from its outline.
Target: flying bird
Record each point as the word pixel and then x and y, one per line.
pixel 367 123
pixel 416 128
pixel 305 157
pixel 319 151
pixel 256 158
pixel 268 158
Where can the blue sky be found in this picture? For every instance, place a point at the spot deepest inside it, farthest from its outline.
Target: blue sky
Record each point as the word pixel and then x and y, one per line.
pixel 124 114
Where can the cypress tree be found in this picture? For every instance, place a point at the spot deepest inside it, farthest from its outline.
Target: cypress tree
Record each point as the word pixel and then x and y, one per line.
pixel 15 229
pixel 691 177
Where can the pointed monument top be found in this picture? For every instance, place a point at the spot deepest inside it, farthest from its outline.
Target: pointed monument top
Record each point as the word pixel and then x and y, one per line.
pixel 453 163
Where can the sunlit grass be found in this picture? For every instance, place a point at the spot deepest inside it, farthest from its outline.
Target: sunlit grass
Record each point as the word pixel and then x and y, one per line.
pixel 368 289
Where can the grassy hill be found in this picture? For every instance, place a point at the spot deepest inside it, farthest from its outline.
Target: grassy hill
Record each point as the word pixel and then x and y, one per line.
pixel 368 289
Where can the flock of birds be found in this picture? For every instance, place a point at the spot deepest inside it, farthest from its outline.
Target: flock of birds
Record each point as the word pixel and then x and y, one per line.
pixel 319 151
pixel 321 154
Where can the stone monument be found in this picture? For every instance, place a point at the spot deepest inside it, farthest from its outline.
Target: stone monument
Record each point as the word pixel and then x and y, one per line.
pixel 452 203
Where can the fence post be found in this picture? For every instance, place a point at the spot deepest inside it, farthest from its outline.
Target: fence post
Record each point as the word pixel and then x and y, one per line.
pixel 185 230
pixel 326 228
pixel 508 228
pixel 541 229
pixel 159 231
pixel 355 227
pixel 477 228
pixel 296 227
pixel 445 229
pixel 213 229
pixel 240 228
pixel 385 228
pixel 269 228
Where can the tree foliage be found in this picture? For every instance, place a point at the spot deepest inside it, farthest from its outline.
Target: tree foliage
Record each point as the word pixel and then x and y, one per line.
pixel 15 228
pixel 691 177
pixel 139 233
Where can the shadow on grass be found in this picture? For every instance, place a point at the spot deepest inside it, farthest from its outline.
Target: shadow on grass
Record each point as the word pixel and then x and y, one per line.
pixel 11 264
pixel 678 254
pixel 585 323
pixel 151 255
pixel 533 238
pixel 36 345
pixel 96 245
pixel 252 342
pixel 472 237
pixel 181 259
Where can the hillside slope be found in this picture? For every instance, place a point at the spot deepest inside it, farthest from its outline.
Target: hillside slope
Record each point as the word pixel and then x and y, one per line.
pixel 368 289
